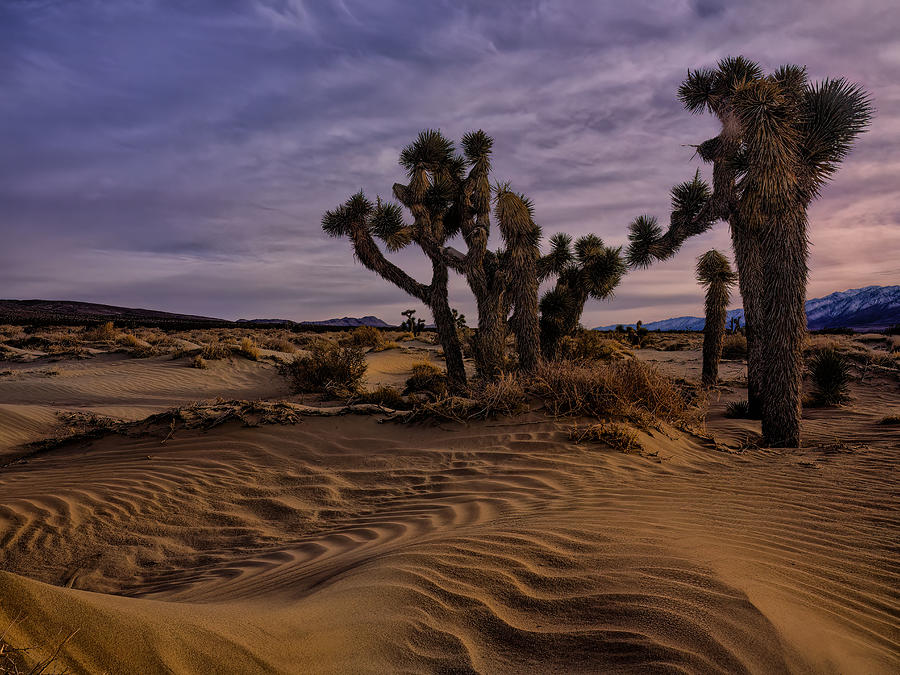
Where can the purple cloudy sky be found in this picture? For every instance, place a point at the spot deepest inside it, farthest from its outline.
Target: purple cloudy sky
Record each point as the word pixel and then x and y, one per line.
pixel 179 154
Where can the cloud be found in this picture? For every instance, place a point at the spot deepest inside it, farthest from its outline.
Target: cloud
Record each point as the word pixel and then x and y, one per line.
pixel 180 155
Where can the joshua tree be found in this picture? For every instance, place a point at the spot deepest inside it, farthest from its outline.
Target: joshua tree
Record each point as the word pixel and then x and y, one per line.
pixel 500 280
pixel 410 323
pixel 734 325
pixel 432 196
pixel 781 139
pixel 714 272
pixel 592 270
pixel 515 216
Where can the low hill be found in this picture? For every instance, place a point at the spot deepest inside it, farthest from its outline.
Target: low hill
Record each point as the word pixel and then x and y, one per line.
pixel 68 311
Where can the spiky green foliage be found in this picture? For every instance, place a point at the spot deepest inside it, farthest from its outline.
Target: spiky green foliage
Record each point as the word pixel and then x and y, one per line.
pixel 781 139
pixel 593 270
pixel 830 372
pixel 714 273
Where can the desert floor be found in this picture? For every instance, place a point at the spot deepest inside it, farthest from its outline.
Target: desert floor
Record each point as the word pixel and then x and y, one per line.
pixel 342 544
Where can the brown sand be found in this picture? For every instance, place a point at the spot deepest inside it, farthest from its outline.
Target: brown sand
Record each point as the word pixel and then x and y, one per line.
pixel 344 545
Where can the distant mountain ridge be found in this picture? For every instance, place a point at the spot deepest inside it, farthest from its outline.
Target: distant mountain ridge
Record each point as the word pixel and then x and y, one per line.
pixel 869 308
pixel 349 322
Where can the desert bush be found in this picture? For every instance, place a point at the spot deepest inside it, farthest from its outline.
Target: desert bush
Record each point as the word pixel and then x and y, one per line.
pixel 364 336
pixel 676 347
pixel 327 368
pixel 280 345
pixel 426 377
pixel 199 362
pixel 503 395
pixel 594 346
pixel 248 349
pixel 890 419
pixel 734 347
pixel 135 347
pixel 830 372
pixel 617 436
pixel 631 388
pixel 738 410
pixel 103 333
pixel 214 350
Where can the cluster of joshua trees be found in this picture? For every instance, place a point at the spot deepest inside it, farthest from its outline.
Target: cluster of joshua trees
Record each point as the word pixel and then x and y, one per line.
pixel 782 137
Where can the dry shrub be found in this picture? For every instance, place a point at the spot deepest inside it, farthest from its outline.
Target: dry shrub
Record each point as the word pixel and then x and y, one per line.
pixel 364 336
pixel 617 436
pixel 327 368
pixel 426 377
pixel 592 345
pixel 504 395
pixel 103 333
pixel 385 345
pixel 135 347
pixel 280 345
pixel 248 349
pixel 389 397
pixel 734 347
pixel 199 362
pixel 215 350
pixel 632 389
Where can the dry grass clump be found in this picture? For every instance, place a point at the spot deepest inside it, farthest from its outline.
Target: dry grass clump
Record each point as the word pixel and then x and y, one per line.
pixel 369 336
pixel 136 347
pixel 617 436
pixel 199 362
pixel 830 372
pixel 248 349
pixel 591 345
pixel 504 395
pixel 327 368
pixel 103 333
pixel 890 419
pixel 631 389
pixel 215 350
pixel 280 345
pixel 426 377
pixel 734 347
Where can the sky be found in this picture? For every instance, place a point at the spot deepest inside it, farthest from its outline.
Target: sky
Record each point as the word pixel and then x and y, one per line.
pixel 178 155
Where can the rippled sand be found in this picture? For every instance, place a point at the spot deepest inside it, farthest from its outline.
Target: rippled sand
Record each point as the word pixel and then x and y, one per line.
pixel 345 545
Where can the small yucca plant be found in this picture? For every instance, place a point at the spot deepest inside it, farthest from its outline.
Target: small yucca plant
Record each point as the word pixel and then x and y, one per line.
pixel 830 372
pixel 738 410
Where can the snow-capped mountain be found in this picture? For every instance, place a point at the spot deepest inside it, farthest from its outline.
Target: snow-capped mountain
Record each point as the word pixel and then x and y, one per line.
pixel 869 308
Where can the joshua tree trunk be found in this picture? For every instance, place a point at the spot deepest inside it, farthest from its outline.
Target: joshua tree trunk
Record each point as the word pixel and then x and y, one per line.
pixel 781 338
pixel 749 267
pixel 490 341
pixel 446 327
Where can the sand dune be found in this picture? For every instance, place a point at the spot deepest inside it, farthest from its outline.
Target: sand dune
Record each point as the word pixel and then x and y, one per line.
pixel 342 545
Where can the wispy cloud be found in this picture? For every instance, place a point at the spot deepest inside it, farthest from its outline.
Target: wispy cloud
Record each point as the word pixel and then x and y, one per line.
pixel 179 155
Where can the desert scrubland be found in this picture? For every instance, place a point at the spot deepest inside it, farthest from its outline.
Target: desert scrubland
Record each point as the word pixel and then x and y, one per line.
pixel 170 502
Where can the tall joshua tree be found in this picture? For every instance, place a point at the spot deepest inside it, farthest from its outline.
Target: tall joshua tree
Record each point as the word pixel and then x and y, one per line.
pixel 445 201
pixel 781 140
pixel 714 273
pixel 435 174
pixel 591 270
